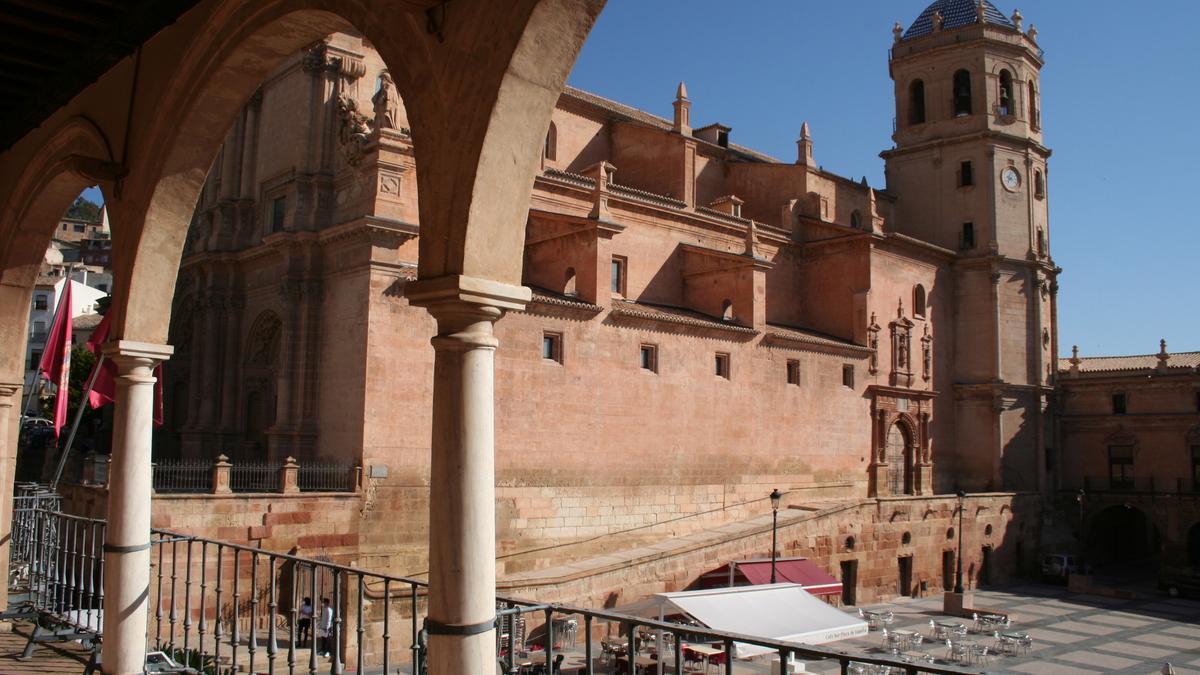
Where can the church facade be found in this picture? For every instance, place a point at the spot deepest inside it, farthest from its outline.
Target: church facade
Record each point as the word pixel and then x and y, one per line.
pixel 708 323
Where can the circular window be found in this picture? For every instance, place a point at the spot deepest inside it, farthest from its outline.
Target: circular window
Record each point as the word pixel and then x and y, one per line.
pixel 849 543
pixel 987 531
pixel 906 538
pixel 950 533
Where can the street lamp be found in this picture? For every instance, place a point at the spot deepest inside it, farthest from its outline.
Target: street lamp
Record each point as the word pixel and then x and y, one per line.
pixel 1081 498
pixel 958 579
pixel 776 497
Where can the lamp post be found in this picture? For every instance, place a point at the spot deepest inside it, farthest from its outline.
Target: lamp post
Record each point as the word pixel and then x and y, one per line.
pixel 958 576
pixel 776 497
pixel 1081 498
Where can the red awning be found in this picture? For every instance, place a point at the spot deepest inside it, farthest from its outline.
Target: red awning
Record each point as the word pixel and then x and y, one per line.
pixel 796 571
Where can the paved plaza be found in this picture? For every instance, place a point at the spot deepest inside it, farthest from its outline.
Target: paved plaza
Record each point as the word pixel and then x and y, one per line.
pixel 1072 633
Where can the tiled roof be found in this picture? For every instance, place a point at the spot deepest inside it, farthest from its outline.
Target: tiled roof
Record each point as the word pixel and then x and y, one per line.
pixel 1105 364
pixel 955 14
pixel 630 113
pixel 802 336
pixel 675 315
pixel 86 321
pixel 545 297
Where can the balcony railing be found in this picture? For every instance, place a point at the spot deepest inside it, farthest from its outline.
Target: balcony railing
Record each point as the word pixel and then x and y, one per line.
pixel 200 476
pixel 1144 484
pixel 223 607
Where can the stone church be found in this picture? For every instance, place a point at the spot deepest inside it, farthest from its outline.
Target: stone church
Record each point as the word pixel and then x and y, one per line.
pixel 708 323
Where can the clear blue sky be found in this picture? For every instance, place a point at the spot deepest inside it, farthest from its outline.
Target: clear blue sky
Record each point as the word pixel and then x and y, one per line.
pixel 1120 103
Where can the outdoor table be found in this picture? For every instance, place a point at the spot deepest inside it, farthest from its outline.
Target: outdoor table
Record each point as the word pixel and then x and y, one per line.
pixel 706 652
pixel 906 637
pixel 640 663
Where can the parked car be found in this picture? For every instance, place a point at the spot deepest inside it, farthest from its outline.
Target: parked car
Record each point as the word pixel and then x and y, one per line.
pixel 1179 581
pixel 1059 566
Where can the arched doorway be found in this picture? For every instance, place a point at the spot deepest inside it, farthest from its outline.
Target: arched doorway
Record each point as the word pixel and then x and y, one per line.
pixel 898 455
pixel 1120 535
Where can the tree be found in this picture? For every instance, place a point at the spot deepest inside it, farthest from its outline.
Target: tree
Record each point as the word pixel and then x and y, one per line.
pixel 84 209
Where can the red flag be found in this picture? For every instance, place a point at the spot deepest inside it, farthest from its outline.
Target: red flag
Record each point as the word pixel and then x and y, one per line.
pixel 105 388
pixel 56 359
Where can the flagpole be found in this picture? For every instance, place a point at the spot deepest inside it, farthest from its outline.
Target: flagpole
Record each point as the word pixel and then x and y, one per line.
pixel 83 401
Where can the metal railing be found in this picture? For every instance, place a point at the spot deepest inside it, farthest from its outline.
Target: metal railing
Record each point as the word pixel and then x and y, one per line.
pixel 1143 484
pixel 182 476
pixel 224 607
pixel 254 477
pixel 327 477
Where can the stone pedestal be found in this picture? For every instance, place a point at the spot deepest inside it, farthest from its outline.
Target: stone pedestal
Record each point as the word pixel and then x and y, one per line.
pixel 958 604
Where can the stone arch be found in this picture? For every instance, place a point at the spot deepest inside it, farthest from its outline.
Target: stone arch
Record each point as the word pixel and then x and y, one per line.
pixel 477 134
pixel 75 156
pixel 1120 533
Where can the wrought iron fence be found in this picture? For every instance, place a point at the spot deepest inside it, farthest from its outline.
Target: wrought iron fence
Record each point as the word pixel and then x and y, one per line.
pixel 315 477
pixel 1176 485
pixel 233 608
pixel 183 476
pixel 254 477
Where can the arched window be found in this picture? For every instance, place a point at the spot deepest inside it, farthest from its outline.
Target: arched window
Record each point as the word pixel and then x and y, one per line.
pixel 1035 115
pixel 550 151
pixel 855 220
pixel 962 93
pixel 919 301
pixel 898 455
pixel 1006 93
pixel 1039 185
pixel 569 283
pixel 916 102
pixel 727 310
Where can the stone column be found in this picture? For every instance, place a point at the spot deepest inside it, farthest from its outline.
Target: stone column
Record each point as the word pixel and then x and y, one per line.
pixel 10 407
pixel 127 549
pixel 462 507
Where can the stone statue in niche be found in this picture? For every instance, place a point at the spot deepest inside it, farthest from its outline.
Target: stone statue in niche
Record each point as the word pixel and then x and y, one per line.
pixel 353 129
pixel 264 343
pixel 902 352
pixel 386 103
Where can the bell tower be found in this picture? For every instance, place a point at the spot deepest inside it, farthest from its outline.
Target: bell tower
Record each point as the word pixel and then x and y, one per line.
pixel 968 171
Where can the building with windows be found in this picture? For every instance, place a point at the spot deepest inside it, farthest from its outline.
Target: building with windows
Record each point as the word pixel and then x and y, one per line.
pixel 707 323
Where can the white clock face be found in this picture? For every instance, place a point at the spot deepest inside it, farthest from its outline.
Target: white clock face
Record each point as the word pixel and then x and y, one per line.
pixel 1011 179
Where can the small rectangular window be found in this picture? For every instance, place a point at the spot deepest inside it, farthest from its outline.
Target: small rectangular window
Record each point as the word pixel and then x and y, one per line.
pixel 1118 404
pixel 39 302
pixel 35 357
pixel 967 239
pixel 848 375
pixel 793 372
pixel 1120 466
pixel 649 358
pixel 721 366
pixel 79 228
pixel 278 210
pixel 618 274
pixel 552 347
pixel 966 176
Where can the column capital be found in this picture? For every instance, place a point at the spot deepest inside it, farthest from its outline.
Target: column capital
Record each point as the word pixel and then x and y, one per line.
pixel 8 390
pixel 455 290
pixel 133 353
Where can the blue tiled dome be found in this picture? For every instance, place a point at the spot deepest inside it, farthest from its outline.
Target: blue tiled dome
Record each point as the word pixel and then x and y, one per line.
pixel 955 14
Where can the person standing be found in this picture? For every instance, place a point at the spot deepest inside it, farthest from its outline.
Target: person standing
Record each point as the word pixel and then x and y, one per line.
pixel 305 623
pixel 324 626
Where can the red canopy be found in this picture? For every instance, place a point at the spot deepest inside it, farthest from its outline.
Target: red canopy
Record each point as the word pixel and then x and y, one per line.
pixel 787 570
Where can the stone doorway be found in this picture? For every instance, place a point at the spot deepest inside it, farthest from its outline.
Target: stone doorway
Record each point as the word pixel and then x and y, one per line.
pixel 898 455
pixel 904 563
pixel 849 582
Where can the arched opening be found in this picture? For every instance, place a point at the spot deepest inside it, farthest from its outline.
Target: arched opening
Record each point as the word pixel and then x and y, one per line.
pixel 916 102
pixel 727 310
pixel 1039 185
pixel 856 220
pixel 1035 116
pixel 1006 94
pixel 260 376
pixel 1120 534
pixel 919 301
pixel 569 283
pixel 962 93
pixel 550 149
pixel 898 455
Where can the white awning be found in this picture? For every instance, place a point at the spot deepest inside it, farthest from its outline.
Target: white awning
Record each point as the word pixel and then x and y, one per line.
pixel 784 612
